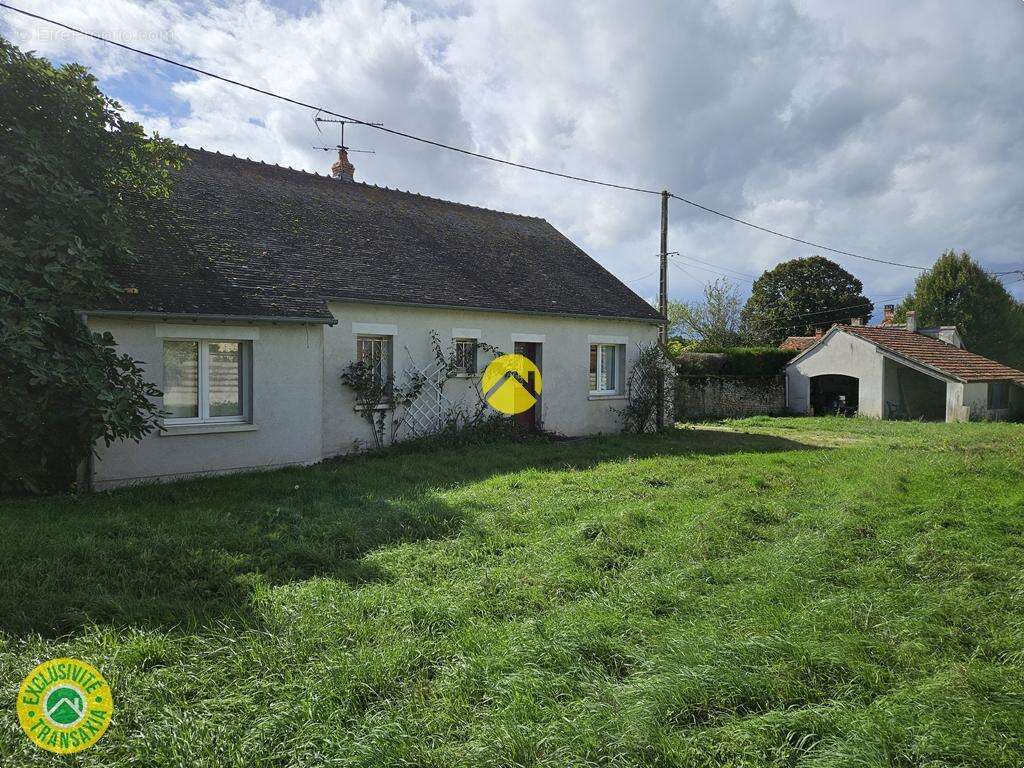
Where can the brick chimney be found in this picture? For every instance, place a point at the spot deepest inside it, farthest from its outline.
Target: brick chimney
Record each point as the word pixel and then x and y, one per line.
pixel 912 321
pixel 888 314
pixel 819 332
pixel 343 170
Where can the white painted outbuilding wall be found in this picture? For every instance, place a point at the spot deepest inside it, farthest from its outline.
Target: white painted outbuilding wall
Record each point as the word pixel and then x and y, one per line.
pixel 842 354
pixel 878 373
pixel 301 413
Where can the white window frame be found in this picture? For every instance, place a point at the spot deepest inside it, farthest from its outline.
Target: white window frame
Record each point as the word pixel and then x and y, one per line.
pixel 203 383
pixel 602 352
pixel 387 350
pixel 475 344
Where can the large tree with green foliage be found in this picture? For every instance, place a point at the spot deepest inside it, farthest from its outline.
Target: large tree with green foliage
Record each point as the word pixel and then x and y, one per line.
pixel 956 291
pixel 714 321
pixel 78 183
pixel 798 296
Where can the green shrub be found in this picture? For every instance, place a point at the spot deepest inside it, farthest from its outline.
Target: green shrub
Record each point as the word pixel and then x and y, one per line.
pixel 80 186
pixel 733 361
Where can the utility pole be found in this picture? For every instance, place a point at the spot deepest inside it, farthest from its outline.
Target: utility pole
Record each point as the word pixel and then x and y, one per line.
pixel 663 306
pixel 663 288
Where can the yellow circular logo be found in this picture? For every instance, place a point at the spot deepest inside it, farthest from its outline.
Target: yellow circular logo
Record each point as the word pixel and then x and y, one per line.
pixel 65 705
pixel 511 384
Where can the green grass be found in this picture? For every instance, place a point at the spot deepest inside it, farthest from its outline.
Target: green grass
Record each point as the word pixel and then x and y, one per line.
pixel 764 592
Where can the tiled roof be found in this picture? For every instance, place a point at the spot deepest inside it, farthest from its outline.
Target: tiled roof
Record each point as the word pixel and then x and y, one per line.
pixel 798 343
pixel 246 238
pixel 953 361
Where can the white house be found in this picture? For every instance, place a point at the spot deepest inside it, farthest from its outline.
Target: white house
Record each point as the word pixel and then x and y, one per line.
pixel 266 282
pixel 901 372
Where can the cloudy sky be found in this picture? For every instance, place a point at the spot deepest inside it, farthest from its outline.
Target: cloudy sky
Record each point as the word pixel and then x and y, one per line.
pixel 894 130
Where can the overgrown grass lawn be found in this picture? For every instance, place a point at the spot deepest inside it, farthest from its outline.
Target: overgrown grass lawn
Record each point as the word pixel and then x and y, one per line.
pixel 764 592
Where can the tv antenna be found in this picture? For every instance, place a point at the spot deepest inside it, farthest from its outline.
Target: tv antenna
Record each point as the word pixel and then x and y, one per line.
pixel 342 145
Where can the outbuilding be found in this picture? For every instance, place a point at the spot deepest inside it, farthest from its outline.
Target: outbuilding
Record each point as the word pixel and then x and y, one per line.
pixel 901 372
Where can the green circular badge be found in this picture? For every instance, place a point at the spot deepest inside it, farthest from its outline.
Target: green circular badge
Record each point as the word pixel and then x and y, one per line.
pixel 64 705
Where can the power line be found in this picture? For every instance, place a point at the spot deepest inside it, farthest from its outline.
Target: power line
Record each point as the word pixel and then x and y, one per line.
pixel 697 266
pixel 686 272
pixel 680 267
pixel 642 277
pixel 326 111
pixel 795 239
pixel 737 272
pixel 805 323
pixel 442 145
pixel 712 270
pixel 865 305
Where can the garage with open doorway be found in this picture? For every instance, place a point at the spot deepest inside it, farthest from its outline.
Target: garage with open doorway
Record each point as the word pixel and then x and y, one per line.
pixel 901 373
pixel 834 394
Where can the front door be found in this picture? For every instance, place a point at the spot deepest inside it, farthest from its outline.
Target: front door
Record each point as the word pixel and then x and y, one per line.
pixel 530 418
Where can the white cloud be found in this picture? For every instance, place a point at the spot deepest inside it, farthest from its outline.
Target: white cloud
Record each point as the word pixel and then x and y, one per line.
pixel 896 131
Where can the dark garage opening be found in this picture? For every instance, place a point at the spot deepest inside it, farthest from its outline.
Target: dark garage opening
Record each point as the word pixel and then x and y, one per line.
pixel 833 394
pixel 921 397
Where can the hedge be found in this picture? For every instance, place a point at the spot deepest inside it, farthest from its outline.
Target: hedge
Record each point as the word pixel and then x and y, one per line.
pixel 734 361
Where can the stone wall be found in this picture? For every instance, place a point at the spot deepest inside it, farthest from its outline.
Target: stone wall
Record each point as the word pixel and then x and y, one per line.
pixel 718 397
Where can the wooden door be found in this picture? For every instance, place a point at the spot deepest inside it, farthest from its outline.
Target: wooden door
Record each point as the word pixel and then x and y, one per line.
pixel 529 419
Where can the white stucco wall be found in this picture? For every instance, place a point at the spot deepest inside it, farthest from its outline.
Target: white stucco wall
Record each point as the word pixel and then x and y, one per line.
pixel 845 354
pixel 287 382
pixel 301 413
pixel 566 406
pixel 975 402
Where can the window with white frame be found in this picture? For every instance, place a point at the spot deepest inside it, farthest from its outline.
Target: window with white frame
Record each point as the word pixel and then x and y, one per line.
pixel 375 351
pixel 465 356
pixel 998 395
pixel 206 381
pixel 604 369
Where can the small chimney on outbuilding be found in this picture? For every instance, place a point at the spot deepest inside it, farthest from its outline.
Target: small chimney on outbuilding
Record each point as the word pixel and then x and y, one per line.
pixel 912 321
pixel 888 314
pixel 343 170
pixel 856 321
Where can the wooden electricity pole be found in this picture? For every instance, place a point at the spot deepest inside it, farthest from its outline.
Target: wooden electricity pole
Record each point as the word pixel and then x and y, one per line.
pixel 663 305
pixel 663 288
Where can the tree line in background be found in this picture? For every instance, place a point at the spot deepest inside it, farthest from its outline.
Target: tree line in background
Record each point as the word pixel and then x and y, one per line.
pixel 800 296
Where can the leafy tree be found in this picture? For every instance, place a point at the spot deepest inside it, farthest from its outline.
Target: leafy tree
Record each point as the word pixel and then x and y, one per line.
pixel 714 321
pixel 798 296
pixel 77 184
pixel 956 291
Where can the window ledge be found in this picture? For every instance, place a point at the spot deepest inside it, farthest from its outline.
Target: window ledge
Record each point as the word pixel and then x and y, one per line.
pixel 381 407
pixel 171 430
pixel 601 396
